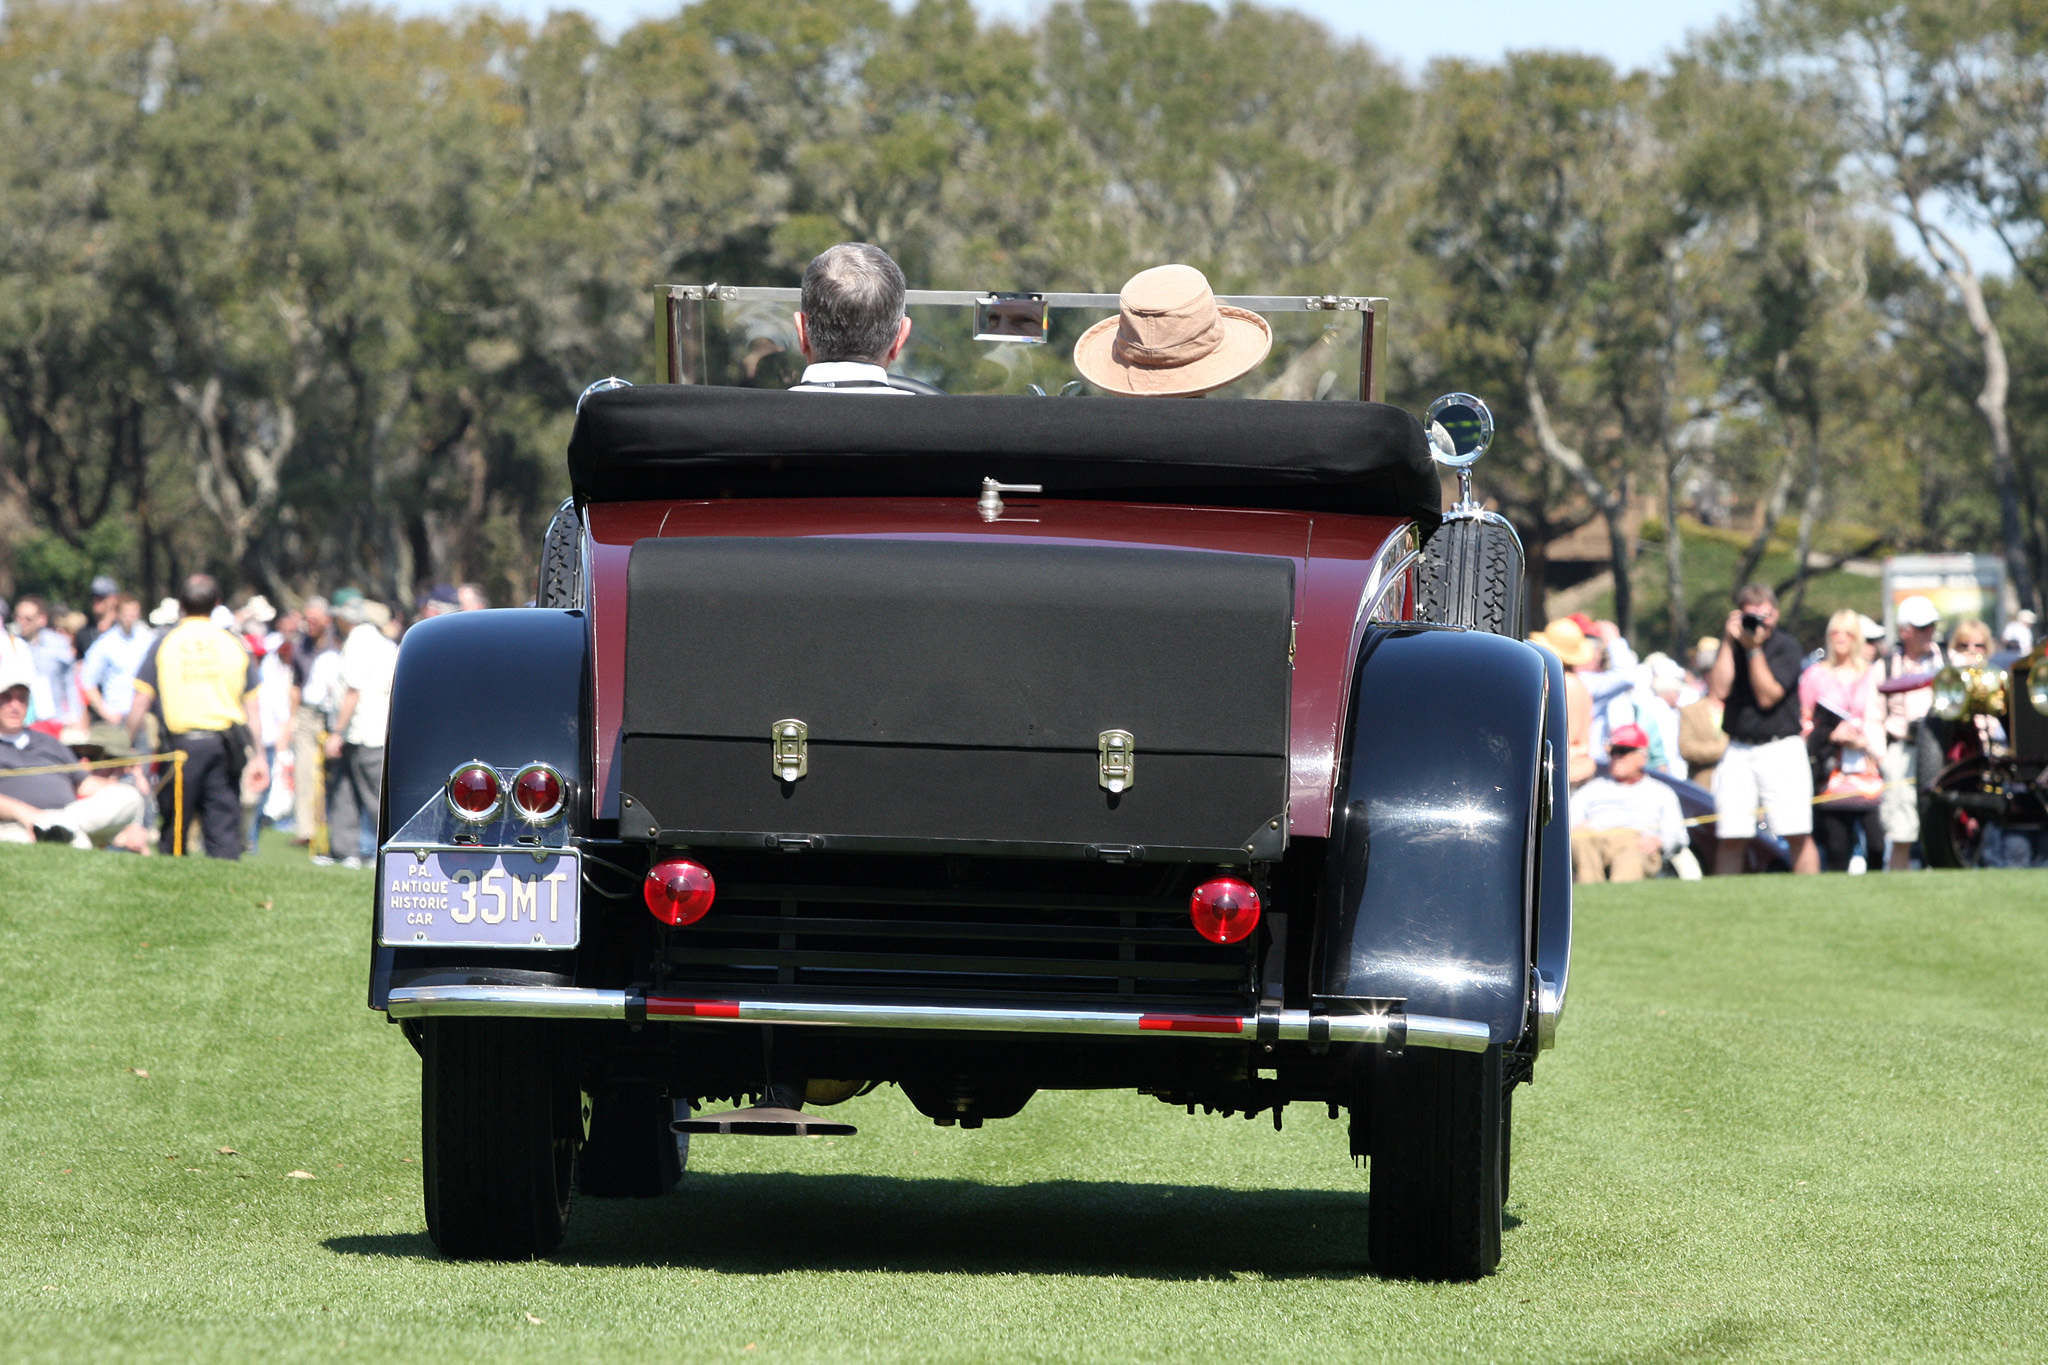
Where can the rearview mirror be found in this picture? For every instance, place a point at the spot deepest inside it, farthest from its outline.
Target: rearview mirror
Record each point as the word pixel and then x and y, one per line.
pixel 1460 429
pixel 1010 317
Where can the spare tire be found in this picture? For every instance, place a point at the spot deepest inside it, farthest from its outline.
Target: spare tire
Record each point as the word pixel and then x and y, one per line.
pixel 1471 576
pixel 561 560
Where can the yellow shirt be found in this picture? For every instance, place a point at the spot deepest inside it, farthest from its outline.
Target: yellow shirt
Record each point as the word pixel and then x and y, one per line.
pixel 199 675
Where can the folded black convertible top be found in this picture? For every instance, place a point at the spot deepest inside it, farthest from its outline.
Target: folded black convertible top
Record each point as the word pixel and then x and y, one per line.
pixel 699 441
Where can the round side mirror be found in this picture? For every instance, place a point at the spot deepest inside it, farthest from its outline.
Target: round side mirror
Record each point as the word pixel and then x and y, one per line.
pixel 1460 429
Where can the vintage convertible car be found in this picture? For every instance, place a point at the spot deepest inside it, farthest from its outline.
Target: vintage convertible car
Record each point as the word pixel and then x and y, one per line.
pixel 981 745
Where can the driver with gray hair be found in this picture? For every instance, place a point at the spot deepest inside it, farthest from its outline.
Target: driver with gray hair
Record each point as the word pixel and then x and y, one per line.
pixel 852 324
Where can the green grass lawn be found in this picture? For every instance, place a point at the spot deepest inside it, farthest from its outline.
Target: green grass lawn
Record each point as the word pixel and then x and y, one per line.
pixel 1786 1121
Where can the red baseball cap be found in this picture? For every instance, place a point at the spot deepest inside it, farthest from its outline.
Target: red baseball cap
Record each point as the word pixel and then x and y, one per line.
pixel 1628 737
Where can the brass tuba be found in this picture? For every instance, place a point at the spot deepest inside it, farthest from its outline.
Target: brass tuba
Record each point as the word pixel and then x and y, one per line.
pixel 1974 690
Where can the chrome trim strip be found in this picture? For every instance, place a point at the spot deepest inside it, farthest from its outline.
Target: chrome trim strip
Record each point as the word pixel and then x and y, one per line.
pixel 1549 1009
pixel 1370 607
pixel 526 1002
pixel 1258 303
pixel 1398 553
pixel 548 1002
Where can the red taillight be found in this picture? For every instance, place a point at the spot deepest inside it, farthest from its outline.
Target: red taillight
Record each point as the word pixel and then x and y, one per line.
pixel 679 891
pixel 1224 910
pixel 537 792
pixel 474 792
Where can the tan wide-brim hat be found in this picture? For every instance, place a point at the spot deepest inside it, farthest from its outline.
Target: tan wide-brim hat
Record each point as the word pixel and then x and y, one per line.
pixel 1171 339
pixel 1563 638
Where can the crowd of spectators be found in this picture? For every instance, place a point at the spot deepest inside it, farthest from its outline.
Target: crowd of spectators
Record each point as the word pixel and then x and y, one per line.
pixel 280 715
pixel 1797 758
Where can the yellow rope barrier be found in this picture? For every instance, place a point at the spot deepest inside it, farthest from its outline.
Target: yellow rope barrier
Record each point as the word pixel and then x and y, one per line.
pixel 1818 801
pixel 83 765
pixel 178 803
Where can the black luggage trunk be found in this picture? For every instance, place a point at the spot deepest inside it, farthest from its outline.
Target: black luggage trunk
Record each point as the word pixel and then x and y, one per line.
pixel 957 697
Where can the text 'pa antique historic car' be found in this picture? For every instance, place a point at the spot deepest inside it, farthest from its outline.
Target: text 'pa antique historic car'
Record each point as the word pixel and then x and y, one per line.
pixel 980 745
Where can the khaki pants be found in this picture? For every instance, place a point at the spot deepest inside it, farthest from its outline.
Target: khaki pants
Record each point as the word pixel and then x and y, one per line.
pixel 309 803
pixel 93 820
pixel 1613 855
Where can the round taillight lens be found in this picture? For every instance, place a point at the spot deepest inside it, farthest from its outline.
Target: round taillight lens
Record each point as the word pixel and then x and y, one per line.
pixel 1224 910
pixel 537 793
pixel 679 891
pixel 474 792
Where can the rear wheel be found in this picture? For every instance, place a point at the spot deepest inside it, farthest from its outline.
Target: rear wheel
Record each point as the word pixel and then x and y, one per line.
pixel 631 1153
pixel 1471 575
pixel 500 1119
pixel 1437 1164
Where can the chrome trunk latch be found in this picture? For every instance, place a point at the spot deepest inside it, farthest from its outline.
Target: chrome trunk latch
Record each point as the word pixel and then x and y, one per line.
pixel 991 504
pixel 1117 753
pixel 790 749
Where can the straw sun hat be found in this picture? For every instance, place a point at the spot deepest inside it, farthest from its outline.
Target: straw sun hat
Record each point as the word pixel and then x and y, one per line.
pixel 1171 339
pixel 1563 638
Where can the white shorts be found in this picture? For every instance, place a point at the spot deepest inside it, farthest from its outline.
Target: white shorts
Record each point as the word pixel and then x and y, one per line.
pixel 1773 777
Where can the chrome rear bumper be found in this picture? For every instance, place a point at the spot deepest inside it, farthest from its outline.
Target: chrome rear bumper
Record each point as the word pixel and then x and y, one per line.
pixel 550 1002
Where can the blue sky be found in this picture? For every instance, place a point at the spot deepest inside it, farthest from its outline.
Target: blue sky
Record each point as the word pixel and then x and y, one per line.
pixel 1410 31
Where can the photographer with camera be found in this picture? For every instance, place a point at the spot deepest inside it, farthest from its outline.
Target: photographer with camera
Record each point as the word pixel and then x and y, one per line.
pixel 1756 675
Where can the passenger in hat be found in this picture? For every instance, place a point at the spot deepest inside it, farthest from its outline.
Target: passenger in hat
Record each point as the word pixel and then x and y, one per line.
pixel 1917 652
pixel 1171 339
pixel 1626 824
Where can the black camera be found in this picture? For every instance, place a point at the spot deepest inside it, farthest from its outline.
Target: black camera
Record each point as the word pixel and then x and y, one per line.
pixel 1751 623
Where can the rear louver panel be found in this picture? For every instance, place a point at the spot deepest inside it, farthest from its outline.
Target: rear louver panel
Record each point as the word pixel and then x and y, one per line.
pixel 853 943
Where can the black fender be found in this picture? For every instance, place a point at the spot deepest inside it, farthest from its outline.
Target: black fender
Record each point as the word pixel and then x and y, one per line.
pixel 1430 894
pixel 509 687
pixel 506 686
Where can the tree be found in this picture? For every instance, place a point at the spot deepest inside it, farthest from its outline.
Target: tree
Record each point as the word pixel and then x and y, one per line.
pixel 1936 99
pixel 1539 174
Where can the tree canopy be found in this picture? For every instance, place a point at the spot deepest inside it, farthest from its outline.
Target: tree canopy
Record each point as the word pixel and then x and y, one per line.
pixel 304 293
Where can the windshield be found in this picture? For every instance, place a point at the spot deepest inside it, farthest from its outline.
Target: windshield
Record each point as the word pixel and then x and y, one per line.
pixel 1324 347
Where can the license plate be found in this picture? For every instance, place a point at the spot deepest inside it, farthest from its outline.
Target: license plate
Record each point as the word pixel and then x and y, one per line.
pixel 478 898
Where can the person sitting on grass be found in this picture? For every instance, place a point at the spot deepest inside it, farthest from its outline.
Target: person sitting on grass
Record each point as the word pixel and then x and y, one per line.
pixel 81 809
pixel 1625 825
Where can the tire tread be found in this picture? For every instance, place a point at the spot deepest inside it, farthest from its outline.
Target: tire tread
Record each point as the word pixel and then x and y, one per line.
pixel 1471 575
